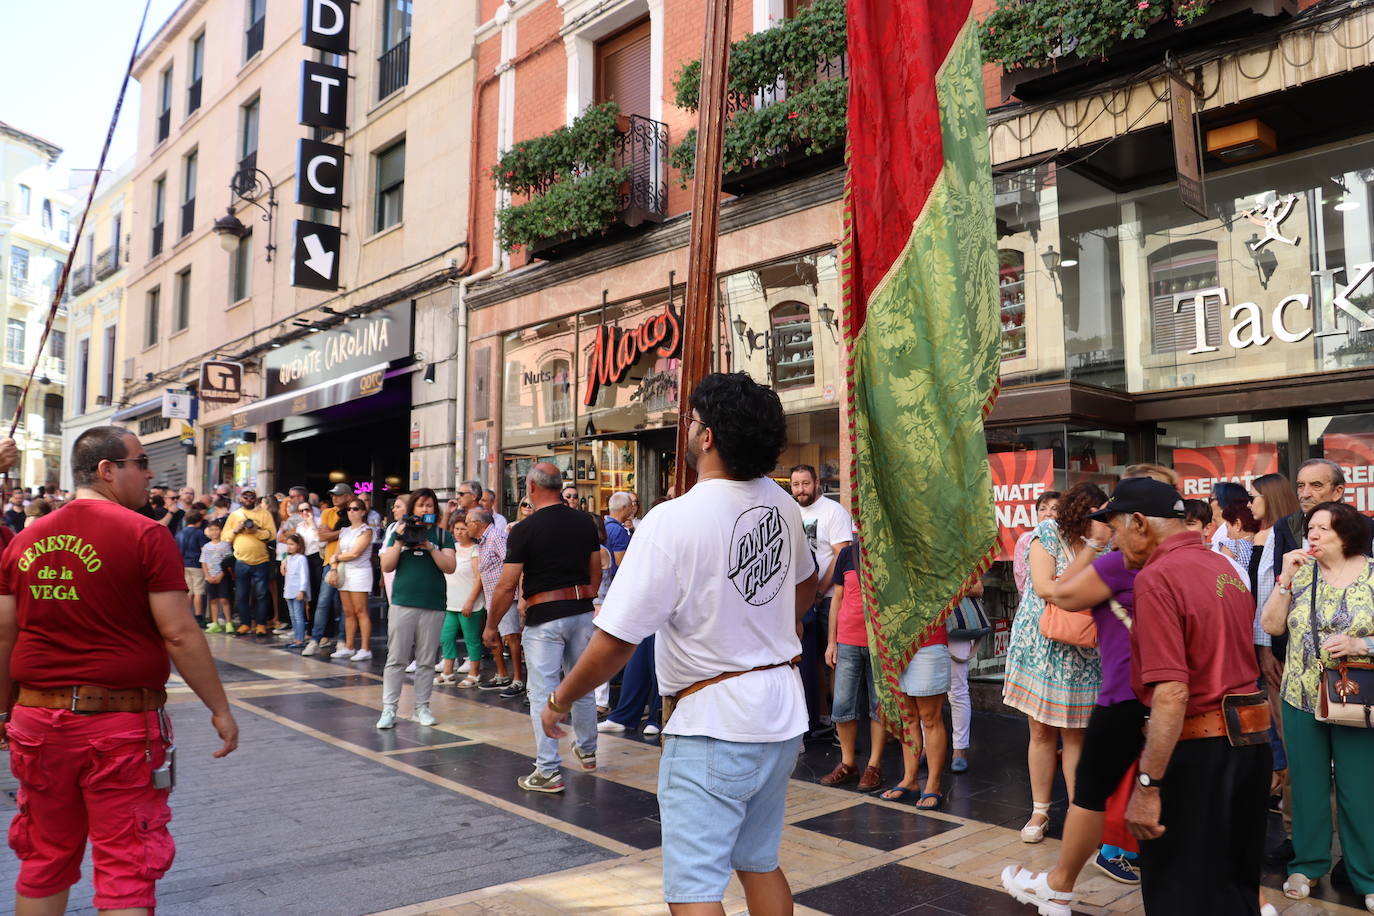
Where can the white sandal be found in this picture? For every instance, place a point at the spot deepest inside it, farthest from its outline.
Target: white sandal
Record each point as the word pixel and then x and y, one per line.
pixel 1034 833
pixel 1369 902
pixel 1297 887
pixel 1034 889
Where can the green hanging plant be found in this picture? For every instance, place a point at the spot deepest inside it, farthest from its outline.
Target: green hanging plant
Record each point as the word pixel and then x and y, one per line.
pixel 1040 33
pixel 793 55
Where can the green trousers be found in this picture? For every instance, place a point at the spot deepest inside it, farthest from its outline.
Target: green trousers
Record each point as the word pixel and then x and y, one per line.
pixel 471 628
pixel 1317 753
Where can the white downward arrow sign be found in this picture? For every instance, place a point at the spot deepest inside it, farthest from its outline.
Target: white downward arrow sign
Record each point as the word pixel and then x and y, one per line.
pixel 320 261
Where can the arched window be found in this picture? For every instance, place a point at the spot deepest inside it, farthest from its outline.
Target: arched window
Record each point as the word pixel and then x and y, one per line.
pixel 1180 268
pixel 556 381
pixel 793 357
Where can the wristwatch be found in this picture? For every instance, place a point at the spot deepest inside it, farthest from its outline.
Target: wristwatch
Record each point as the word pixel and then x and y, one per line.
pixel 1283 589
pixel 1147 781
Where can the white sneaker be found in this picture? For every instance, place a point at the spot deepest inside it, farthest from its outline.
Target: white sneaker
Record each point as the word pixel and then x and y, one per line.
pixel 423 716
pixel 342 652
pixel 410 669
pixel 607 725
pixel 388 719
pixel 361 655
pixel 311 647
pixel 651 729
pixel 461 669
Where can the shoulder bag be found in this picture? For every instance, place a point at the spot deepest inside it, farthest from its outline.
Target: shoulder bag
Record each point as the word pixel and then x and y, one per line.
pixel 1345 694
pixel 968 620
pixel 1073 627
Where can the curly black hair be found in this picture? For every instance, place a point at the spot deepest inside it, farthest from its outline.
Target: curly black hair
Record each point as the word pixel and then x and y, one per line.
pixel 747 421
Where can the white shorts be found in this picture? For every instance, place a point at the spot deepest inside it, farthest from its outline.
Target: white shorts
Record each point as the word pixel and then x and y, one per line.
pixel 355 578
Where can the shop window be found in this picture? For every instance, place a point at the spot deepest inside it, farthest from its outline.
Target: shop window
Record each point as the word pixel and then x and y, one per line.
pixel 1180 268
pixel 556 382
pixel 623 71
pixel 792 358
pixel 1011 281
pixel 1348 440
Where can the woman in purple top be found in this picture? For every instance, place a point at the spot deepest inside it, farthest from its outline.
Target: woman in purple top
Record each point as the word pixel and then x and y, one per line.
pixel 1099 583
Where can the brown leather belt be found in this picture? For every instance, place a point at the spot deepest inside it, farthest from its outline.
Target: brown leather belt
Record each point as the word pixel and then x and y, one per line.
pixel 693 688
pixel 88 698
pixel 571 593
pixel 1252 719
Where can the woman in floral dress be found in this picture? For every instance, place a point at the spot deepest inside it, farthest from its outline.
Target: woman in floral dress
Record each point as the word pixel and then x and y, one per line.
pixel 1055 684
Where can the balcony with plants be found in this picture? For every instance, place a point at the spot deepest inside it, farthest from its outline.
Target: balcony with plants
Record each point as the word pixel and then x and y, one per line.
pixel 592 180
pixel 787 101
pixel 1047 47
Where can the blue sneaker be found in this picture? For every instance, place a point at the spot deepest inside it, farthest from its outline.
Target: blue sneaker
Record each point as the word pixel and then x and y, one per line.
pixel 1120 869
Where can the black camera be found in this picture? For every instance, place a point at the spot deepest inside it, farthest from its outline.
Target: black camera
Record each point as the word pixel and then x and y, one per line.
pixel 417 529
pixel 249 524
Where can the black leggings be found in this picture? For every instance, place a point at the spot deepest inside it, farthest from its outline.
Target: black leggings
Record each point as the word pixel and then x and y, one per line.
pixel 1112 742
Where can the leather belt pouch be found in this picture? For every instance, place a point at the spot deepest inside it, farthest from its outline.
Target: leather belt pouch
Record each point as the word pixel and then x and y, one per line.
pixel 1247 718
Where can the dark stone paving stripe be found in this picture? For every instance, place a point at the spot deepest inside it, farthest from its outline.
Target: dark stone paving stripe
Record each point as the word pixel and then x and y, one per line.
pixel 891 890
pixel 622 813
pixel 351 722
pixel 877 826
pixel 230 673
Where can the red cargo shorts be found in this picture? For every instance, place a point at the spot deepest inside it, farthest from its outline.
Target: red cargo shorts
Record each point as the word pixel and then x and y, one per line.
pixel 86 775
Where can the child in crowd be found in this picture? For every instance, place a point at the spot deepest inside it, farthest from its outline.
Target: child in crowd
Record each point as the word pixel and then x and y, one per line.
pixel 295 573
pixel 212 557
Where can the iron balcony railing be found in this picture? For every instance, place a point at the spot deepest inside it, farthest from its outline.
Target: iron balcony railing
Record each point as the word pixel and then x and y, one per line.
pixel 83 278
pixel 156 248
pixel 393 68
pixel 193 97
pixel 254 43
pixel 107 262
pixel 188 216
pixel 642 147
pixel 826 70
pixel 164 125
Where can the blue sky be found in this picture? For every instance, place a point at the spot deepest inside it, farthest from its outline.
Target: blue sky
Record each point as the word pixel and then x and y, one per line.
pixel 61 71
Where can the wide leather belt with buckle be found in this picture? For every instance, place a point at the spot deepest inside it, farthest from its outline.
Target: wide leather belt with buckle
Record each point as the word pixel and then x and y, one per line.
pixel 571 593
pixel 88 698
pixel 1243 720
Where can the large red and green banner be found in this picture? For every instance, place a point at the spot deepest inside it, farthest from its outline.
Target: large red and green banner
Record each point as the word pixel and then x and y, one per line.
pixel 921 319
pixel 1199 469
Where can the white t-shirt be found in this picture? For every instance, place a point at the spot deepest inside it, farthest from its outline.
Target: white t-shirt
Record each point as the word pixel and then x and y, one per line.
pixel 459 582
pixel 714 574
pixel 827 523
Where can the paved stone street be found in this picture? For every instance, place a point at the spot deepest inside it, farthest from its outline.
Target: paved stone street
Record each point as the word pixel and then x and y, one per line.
pixel 320 813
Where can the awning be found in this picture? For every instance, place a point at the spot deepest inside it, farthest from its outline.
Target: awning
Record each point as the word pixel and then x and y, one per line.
pixel 346 388
pixel 138 410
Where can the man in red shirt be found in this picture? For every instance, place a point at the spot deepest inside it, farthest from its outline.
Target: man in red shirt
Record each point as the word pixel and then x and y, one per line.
pixel 92 608
pixel 1199 806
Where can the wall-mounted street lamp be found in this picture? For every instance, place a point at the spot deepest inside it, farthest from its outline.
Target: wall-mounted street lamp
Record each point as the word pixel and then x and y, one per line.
pixel 249 186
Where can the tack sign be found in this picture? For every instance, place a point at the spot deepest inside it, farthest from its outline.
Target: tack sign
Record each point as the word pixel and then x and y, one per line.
pixel 316 261
pixel 320 166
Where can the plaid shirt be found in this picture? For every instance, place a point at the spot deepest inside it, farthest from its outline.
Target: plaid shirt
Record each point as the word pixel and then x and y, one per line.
pixel 491 559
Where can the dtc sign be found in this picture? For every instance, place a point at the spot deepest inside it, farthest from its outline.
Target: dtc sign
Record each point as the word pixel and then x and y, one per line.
pixel 320 166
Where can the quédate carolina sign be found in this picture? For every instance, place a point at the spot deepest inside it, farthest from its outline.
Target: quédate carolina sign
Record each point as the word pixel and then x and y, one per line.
pixel 375 338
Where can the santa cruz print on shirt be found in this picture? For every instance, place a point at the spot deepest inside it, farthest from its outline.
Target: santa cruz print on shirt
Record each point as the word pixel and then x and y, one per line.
pixel 759 557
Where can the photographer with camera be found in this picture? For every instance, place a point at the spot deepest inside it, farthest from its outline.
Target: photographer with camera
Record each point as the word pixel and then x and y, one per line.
pixel 250 528
pixel 420 552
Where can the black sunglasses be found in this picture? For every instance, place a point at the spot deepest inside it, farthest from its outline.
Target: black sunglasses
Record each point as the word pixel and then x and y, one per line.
pixel 525 505
pixel 141 461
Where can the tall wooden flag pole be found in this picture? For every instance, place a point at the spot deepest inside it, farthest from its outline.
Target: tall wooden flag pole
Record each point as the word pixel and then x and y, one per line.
pixel 701 253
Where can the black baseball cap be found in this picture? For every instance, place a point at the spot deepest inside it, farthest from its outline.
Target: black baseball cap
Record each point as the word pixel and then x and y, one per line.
pixel 1151 498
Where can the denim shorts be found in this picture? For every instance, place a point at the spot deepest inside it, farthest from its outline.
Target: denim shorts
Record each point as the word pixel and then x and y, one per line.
pixel 721 804
pixel 927 674
pixel 853 679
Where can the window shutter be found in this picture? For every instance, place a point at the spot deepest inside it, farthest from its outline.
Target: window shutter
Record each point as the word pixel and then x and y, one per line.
pixel 623 70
